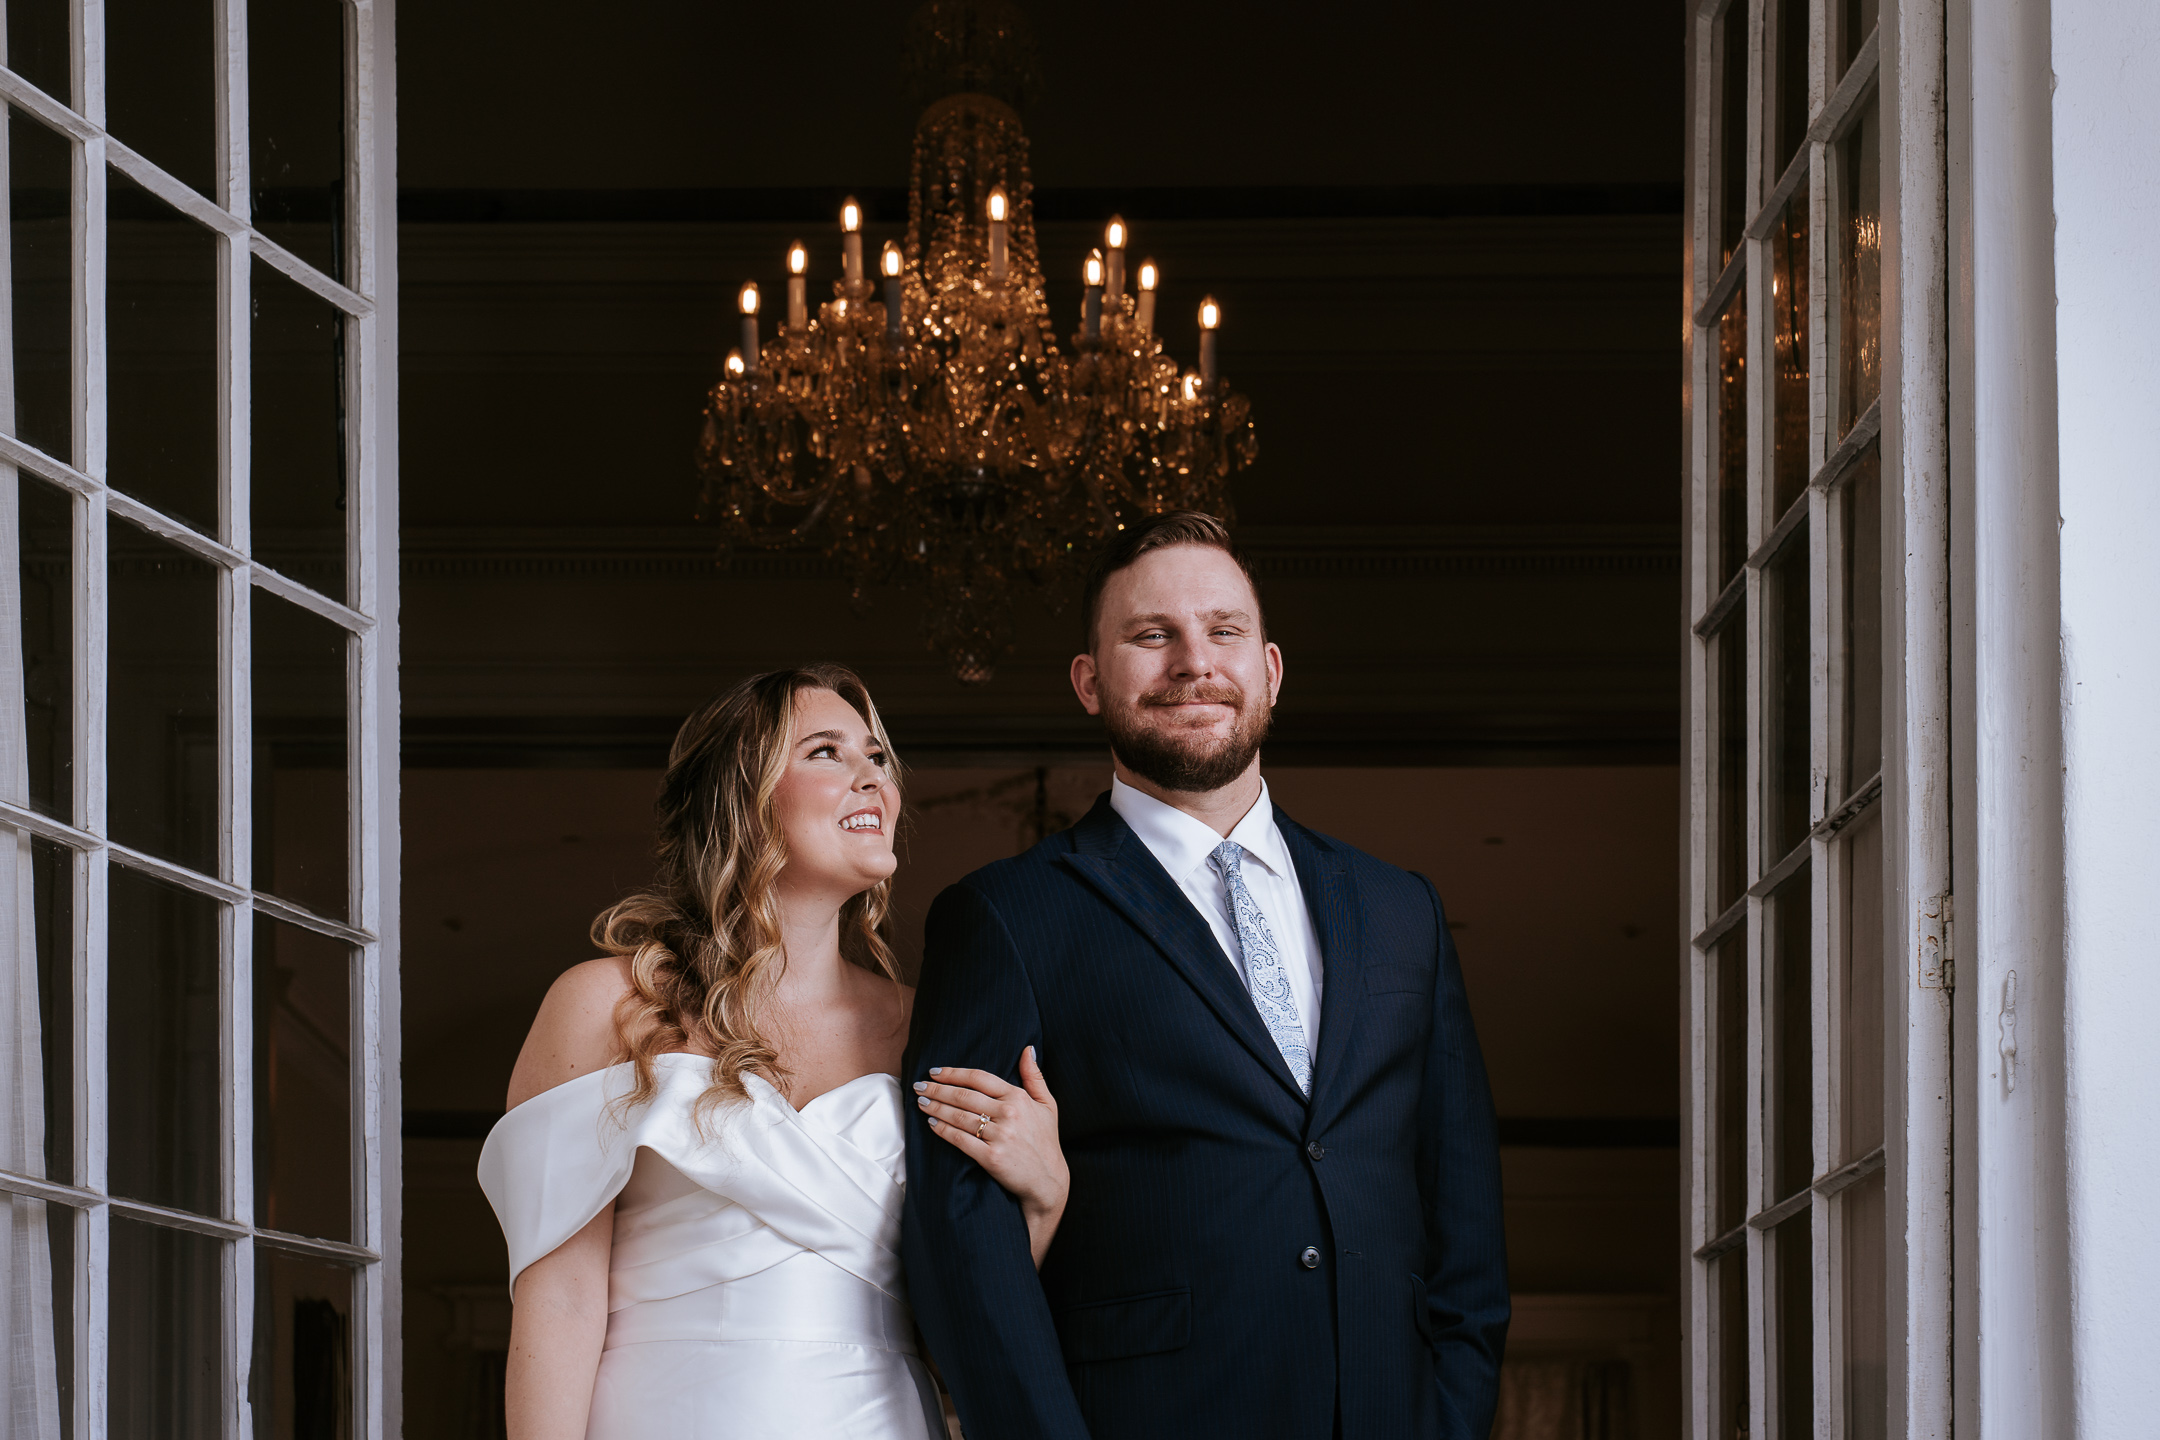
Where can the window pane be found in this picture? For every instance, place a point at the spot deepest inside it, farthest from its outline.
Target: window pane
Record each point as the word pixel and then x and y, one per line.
pixel 300 1385
pixel 1863 1227
pixel 1730 652
pixel 37 1365
pixel 1732 482
pixel 300 755
pixel 161 84
pixel 1859 262
pixel 1790 76
pixel 165 1330
pixel 296 117
pixel 1857 22
pixel 37 45
pixel 162 370
pixel 41 268
pixel 1731 1077
pixel 1861 505
pixel 1728 1289
pixel 1791 1071
pixel 1787 792
pixel 162 720
pixel 162 1007
pixel 1794 1310
pixel 298 454
pixel 40 1076
pixel 45 531
pixel 1860 1041
pixel 1789 354
pixel 1732 129
pixel 303 1090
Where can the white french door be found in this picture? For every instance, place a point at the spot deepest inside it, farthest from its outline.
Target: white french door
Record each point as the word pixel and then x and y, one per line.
pixel 197 720
pixel 1818 1291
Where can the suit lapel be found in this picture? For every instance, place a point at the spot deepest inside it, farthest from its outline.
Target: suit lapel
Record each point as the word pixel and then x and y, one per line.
pixel 1331 896
pixel 1125 872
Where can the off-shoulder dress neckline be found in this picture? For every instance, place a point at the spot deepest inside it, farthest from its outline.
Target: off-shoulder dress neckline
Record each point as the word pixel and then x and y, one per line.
pixel 777 1094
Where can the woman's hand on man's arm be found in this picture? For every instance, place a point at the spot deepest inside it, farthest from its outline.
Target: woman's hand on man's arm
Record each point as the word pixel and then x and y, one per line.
pixel 1009 1130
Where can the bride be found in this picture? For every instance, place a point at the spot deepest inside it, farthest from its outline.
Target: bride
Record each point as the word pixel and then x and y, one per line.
pixel 700 1173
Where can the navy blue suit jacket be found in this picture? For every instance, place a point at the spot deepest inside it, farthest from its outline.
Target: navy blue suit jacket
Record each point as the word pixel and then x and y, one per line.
pixel 1178 1299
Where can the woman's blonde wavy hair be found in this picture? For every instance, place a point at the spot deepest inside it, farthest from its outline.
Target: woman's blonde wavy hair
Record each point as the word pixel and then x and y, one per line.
pixel 704 940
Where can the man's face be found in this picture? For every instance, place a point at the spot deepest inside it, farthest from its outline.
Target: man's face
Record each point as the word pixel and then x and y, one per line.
pixel 1180 671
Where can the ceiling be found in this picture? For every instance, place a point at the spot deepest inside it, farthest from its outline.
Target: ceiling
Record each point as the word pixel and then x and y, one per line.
pixel 670 93
pixel 1446 239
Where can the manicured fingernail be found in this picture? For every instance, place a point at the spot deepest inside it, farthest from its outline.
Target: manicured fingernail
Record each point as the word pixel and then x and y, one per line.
pixel 933 1122
pixel 921 1085
pixel 937 1069
pixel 923 1100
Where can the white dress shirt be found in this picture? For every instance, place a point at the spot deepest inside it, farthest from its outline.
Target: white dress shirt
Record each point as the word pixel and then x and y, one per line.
pixel 1183 844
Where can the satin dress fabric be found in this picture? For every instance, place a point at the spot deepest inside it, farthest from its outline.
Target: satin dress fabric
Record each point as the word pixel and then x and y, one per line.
pixel 754 1286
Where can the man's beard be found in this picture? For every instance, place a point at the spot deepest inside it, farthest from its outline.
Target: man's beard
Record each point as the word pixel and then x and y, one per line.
pixel 1189 761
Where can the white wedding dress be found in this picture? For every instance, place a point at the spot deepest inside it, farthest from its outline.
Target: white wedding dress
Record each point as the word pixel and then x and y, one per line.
pixel 754 1287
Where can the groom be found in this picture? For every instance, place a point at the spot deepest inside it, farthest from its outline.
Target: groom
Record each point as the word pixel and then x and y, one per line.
pixel 1285 1208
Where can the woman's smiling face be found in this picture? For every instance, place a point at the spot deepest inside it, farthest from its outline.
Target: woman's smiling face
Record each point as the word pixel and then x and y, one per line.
pixel 836 803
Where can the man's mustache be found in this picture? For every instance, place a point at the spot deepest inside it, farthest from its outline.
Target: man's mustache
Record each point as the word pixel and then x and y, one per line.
pixel 1197 694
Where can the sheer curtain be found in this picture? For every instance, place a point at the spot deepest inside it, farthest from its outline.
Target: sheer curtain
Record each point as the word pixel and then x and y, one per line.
pixel 26 1279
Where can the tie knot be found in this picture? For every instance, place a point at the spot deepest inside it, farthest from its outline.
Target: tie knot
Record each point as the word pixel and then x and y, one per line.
pixel 1227 858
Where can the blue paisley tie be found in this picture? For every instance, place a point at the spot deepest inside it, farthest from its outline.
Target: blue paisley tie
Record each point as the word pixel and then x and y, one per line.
pixel 1262 964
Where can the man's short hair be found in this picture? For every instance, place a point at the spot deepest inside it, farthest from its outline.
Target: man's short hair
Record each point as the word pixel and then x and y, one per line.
pixel 1156 532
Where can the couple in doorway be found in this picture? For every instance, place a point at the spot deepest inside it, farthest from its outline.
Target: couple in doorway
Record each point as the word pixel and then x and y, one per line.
pixel 1185 1134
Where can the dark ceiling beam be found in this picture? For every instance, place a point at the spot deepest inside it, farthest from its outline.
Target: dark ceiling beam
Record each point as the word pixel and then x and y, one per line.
pixel 813 204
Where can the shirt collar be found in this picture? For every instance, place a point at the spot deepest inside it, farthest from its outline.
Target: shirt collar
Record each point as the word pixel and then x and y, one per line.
pixel 1183 844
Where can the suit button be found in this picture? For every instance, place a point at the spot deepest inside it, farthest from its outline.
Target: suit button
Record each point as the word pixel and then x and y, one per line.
pixel 1310 1259
pixel 1315 1149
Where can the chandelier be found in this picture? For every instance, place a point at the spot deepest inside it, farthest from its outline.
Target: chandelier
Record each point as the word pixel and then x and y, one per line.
pixel 924 427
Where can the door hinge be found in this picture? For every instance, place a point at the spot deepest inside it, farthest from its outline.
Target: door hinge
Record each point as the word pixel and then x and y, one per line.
pixel 1937 958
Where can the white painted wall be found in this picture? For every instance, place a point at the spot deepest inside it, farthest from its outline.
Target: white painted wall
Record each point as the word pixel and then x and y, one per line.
pixel 2016 1347
pixel 2106 154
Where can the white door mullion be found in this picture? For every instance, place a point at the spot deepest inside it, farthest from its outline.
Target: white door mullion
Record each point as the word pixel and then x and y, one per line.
pixel 235 747
pixel 231 71
pixel 371 547
pixel 87 364
pixel 93 1245
pixel 1917 714
pixel 1761 1357
pixel 236 1062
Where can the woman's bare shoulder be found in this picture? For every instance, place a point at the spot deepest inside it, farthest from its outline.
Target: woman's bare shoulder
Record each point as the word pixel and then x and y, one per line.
pixel 574 1033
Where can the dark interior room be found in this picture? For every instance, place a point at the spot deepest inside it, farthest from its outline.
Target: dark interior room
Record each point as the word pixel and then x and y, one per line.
pixel 1442 239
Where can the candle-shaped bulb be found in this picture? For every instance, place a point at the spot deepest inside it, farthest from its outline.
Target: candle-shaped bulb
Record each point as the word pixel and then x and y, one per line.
pixel 798 304
pixel 734 363
pixel 1144 307
pixel 1210 365
pixel 851 241
pixel 747 301
pixel 996 211
pixel 1093 269
pixel 1114 258
pixel 889 262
